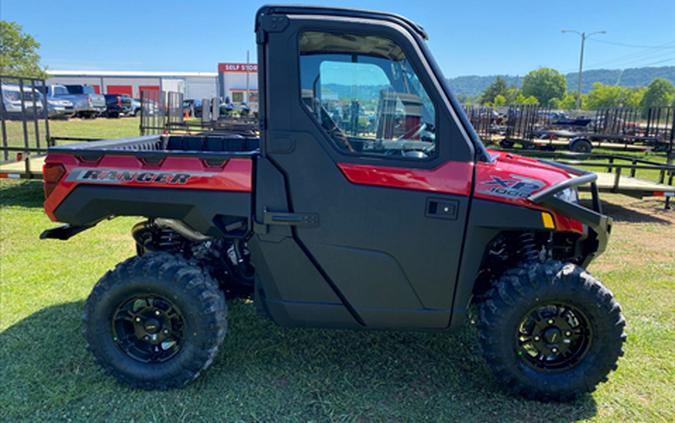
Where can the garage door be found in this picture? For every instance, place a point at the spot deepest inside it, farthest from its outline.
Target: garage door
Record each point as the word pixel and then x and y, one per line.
pixel 119 89
pixel 148 88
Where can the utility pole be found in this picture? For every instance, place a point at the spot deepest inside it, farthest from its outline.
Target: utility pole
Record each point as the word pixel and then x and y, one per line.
pixel 584 37
pixel 248 61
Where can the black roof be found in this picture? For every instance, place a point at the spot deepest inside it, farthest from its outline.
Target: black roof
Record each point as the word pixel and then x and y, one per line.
pixel 342 11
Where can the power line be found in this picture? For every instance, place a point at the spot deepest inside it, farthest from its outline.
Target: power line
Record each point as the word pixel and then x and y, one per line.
pixel 628 58
pixel 672 59
pixel 659 46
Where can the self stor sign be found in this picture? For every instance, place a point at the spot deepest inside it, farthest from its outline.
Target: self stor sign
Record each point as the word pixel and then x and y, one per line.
pixel 237 67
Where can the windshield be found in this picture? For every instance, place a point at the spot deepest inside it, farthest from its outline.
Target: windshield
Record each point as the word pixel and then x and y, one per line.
pixel 366 95
pixel 80 89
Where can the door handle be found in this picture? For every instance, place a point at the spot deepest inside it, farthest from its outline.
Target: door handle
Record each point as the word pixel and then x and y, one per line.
pixel 291 219
pixel 442 209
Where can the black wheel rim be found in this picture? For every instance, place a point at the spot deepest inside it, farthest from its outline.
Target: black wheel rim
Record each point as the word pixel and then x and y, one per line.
pixel 148 328
pixel 553 337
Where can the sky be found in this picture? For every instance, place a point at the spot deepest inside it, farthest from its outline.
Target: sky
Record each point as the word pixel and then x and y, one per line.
pixel 487 37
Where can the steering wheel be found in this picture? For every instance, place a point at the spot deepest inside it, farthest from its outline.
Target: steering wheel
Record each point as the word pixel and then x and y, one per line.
pixel 334 130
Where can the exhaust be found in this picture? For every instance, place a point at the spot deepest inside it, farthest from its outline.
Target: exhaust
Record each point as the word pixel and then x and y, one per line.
pixel 181 228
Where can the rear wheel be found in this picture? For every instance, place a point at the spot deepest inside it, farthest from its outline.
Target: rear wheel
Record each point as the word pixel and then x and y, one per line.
pixel 581 145
pixel 505 143
pixel 550 331
pixel 155 321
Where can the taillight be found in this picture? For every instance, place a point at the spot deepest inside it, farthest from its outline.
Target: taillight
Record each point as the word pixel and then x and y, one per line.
pixel 52 174
pixel 119 101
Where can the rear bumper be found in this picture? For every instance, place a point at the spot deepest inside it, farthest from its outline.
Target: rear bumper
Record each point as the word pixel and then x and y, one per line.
pixel 599 224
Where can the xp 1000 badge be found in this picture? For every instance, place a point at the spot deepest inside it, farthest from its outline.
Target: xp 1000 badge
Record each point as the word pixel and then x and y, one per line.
pixel 514 186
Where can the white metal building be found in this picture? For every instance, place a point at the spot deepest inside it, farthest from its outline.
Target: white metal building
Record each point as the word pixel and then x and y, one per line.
pixel 236 81
pixel 194 85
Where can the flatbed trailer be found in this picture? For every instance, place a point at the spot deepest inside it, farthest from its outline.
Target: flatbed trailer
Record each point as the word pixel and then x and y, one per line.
pixel 633 187
pixel 554 143
pixel 533 126
pixel 619 174
pixel 27 162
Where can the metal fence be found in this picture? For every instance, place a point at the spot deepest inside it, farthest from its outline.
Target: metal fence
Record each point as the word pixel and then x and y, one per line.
pixel 620 125
pixel 486 121
pixel 524 121
pixel 160 110
pixel 24 117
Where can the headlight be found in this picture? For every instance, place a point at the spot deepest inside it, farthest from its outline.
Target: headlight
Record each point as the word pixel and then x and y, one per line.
pixel 571 195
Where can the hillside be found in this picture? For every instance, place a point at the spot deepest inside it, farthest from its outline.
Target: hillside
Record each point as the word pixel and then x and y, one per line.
pixel 473 85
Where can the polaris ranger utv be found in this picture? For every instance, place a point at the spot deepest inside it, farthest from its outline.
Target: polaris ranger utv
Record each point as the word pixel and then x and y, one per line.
pixel 367 202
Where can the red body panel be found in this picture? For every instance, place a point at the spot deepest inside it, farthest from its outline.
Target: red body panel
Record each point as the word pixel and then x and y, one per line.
pixel 449 178
pixel 172 172
pixel 495 181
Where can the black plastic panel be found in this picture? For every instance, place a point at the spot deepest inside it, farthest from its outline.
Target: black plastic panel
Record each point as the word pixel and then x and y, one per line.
pixel 198 208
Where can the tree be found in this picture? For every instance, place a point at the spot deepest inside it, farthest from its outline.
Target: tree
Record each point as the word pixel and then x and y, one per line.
pixel 498 87
pixel 521 99
pixel 659 93
pixel 567 102
pixel 613 96
pixel 18 52
pixel 500 100
pixel 545 84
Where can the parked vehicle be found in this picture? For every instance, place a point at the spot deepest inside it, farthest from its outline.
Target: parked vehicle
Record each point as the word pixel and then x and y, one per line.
pixel 21 103
pixel 135 106
pixel 117 105
pixel 86 102
pixel 330 224
pixel 59 108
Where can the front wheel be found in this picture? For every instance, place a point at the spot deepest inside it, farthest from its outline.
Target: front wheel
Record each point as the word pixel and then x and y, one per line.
pixel 155 321
pixel 550 331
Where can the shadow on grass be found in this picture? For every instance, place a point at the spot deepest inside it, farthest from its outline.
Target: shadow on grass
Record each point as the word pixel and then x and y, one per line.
pixel 625 213
pixel 21 194
pixel 268 373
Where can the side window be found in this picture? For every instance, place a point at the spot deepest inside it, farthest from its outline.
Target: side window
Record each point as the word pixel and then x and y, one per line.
pixel 59 90
pixel 365 94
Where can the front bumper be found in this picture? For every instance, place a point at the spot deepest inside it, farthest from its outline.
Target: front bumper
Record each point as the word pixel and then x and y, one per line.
pixel 599 225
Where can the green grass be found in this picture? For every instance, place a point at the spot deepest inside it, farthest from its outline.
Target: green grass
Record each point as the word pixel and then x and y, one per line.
pixel 267 373
pixel 85 128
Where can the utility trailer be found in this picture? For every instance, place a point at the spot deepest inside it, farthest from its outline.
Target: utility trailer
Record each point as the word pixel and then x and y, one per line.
pixel 24 127
pixel 342 214
pixel 618 174
pixel 535 127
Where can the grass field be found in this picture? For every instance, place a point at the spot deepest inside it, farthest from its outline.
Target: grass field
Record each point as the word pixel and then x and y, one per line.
pixel 85 128
pixel 266 373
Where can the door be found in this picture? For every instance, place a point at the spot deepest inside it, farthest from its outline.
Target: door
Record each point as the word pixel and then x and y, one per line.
pixel 119 89
pixel 373 174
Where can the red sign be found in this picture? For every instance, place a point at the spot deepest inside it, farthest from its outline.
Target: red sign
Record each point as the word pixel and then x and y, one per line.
pixel 237 67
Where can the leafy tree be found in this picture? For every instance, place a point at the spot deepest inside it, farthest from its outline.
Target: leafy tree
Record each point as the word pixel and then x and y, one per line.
pixel 498 87
pixel 511 94
pixel 660 92
pixel 567 102
pixel 545 84
pixel 602 95
pixel 613 96
pixel 464 99
pixel 18 52
pixel 500 100
pixel 521 99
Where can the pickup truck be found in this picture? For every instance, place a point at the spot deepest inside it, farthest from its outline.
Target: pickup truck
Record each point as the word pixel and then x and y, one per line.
pixel 85 102
pixel 330 220
pixel 21 102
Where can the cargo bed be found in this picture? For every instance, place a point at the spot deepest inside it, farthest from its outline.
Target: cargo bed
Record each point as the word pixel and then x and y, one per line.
pixel 202 180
